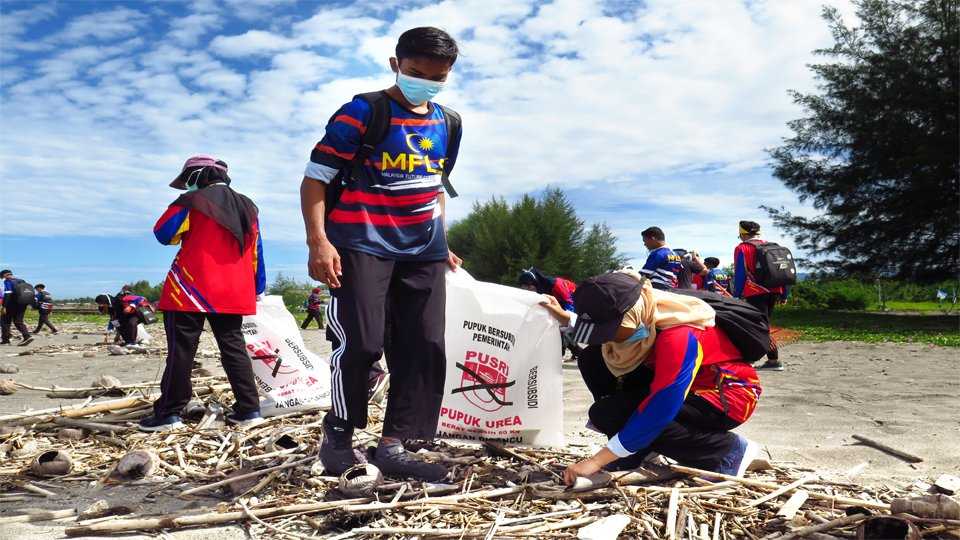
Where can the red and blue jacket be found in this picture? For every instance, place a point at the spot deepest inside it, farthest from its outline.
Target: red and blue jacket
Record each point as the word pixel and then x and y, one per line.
pixel 744 270
pixel 392 209
pixel 685 359
pixel 209 274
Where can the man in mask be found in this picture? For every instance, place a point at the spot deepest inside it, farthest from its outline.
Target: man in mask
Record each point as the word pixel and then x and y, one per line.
pixel 376 235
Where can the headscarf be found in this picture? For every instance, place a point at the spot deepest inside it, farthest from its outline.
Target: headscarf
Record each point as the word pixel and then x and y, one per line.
pixel 656 310
pixel 218 201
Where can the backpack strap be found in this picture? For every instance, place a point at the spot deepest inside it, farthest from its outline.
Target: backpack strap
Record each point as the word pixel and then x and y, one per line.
pixel 454 127
pixel 376 129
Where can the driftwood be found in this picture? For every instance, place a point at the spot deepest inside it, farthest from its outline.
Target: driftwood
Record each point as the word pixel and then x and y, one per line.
pixel 910 458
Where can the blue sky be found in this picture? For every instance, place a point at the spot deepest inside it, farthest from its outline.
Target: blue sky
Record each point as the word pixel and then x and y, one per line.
pixel 646 113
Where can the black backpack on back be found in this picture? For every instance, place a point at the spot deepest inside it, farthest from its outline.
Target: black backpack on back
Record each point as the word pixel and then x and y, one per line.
pixel 746 326
pixel 23 293
pixel 377 127
pixel 775 266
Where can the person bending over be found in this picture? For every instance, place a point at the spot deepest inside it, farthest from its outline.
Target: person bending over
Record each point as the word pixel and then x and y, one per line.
pixel 663 377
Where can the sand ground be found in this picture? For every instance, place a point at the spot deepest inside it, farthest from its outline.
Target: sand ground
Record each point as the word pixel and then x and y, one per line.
pixel 901 394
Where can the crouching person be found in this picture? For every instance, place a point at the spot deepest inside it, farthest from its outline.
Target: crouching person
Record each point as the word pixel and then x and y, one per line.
pixel 125 316
pixel 664 379
pixel 216 276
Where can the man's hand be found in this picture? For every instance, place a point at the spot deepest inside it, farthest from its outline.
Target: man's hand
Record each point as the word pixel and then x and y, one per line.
pixel 553 306
pixel 588 466
pixel 582 468
pixel 323 263
pixel 453 261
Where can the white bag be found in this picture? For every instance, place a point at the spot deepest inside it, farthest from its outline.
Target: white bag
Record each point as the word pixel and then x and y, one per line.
pixel 288 375
pixel 143 337
pixel 504 369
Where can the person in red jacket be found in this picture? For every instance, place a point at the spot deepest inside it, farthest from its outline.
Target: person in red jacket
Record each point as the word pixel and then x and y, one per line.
pixel 745 285
pixel 216 276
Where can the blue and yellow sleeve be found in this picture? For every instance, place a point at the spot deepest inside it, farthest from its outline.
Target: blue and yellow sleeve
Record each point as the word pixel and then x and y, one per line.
pixel 676 362
pixel 259 268
pixel 739 273
pixel 172 225
pixel 340 141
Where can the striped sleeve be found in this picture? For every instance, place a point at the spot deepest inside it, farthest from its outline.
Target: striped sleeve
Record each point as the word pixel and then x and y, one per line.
pixel 340 141
pixel 676 358
pixel 259 268
pixel 172 225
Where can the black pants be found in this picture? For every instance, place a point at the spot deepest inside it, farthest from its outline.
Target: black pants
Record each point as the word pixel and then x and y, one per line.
pixel 13 315
pixel 313 314
pixel 128 327
pixel 44 319
pixel 699 436
pixel 416 294
pixel 183 335
pixel 765 303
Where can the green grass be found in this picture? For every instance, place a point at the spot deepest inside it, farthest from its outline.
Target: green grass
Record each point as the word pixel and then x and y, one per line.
pixel 920 307
pixel 871 327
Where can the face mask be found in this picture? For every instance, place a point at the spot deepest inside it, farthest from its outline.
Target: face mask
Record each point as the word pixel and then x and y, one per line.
pixel 193 182
pixel 640 334
pixel 418 91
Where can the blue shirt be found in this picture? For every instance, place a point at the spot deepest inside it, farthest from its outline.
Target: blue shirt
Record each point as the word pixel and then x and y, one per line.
pixel 663 267
pixel 715 277
pixel 392 209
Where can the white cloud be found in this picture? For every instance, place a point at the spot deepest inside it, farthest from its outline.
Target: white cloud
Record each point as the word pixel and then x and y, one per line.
pixel 668 105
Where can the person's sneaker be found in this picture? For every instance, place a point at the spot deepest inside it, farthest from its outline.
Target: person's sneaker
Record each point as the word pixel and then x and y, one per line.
pixel 26 341
pixel 152 423
pixel 740 456
pixel 772 365
pixel 396 461
pixel 336 450
pixel 7 342
pixel 245 420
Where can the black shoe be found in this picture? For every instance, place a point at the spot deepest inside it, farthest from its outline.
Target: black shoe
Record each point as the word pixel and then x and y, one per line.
pixel 7 342
pixel 152 423
pixel 26 341
pixel 772 365
pixel 395 461
pixel 336 450
pixel 250 419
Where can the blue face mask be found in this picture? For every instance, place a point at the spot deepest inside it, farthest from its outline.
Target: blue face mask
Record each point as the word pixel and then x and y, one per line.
pixel 639 334
pixel 418 91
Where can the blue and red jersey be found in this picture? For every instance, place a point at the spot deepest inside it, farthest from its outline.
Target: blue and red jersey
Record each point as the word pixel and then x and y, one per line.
pixel 716 279
pixel 663 267
pixel 210 274
pixel 686 359
pixel 744 269
pixel 392 209
pixel 563 290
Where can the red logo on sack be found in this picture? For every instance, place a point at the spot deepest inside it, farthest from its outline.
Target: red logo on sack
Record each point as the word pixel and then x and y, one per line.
pixel 263 352
pixel 484 381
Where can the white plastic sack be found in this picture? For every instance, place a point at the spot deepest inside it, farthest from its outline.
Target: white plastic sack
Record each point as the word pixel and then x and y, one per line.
pixel 143 337
pixel 504 369
pixel 288 375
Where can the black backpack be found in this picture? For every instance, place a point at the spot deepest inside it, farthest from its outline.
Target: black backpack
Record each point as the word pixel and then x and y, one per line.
pixel 377 127
pixel 775 266
pixel 746 326
pixel 23 293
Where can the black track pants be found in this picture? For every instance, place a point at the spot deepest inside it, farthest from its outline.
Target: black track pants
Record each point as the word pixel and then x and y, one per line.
pixel 765 303
pixel 416 294
pixel 44 320
pixel 183 330
pixel 13 315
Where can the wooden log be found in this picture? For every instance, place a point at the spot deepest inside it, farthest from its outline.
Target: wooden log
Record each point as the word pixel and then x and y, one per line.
pixel 844 501
pixel 180 521
pixel 909 458
pixel 208 487
pixel 792 506
pixel 90 426
pixel 672 514
pixel 830 525
pixel 45 515
pixel 785 489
